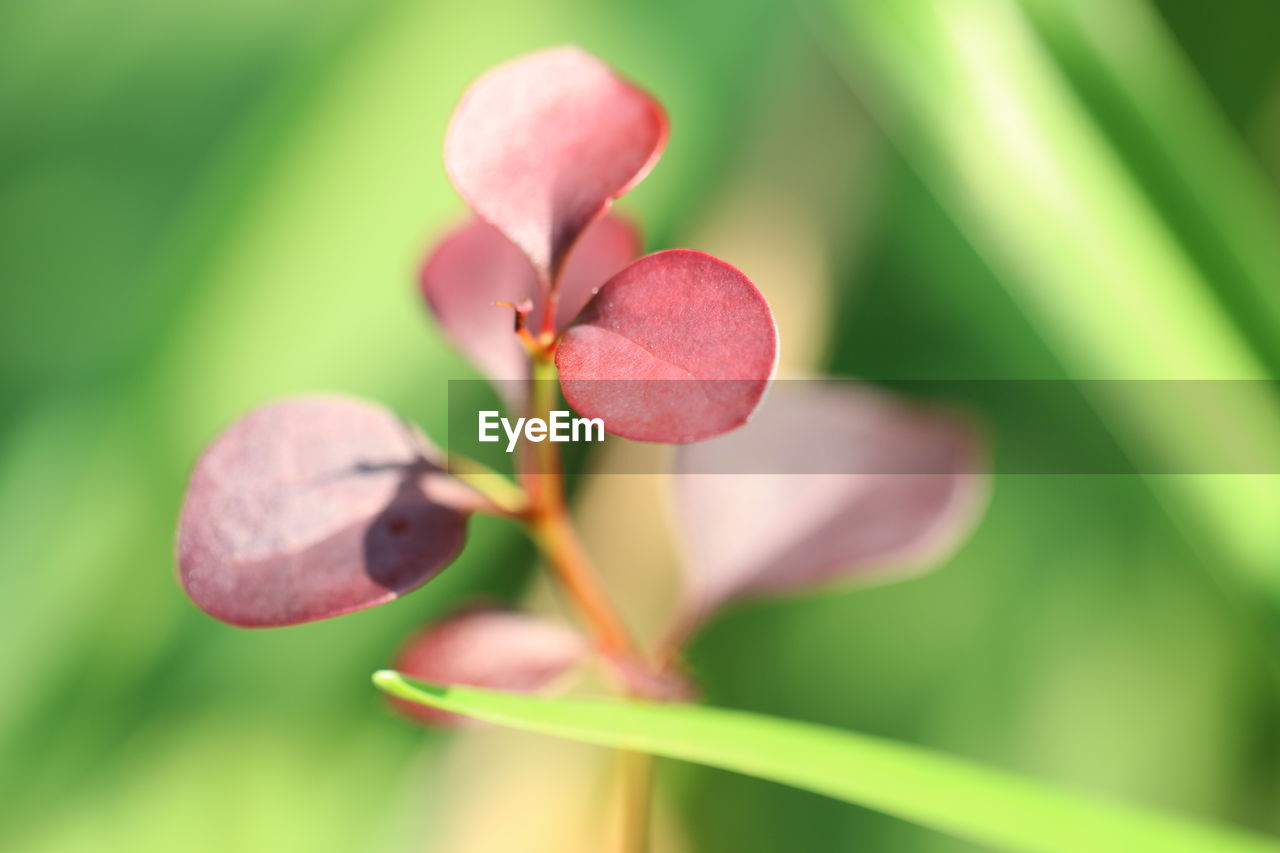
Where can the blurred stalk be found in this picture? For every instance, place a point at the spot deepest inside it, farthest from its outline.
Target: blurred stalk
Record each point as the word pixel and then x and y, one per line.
pixel 636 790
pixel 978 104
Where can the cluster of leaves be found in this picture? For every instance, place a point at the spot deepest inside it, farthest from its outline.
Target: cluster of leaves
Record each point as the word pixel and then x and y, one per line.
pixel 313 507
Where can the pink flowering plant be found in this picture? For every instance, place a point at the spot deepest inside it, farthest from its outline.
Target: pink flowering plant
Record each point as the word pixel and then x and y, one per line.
pixel 316 506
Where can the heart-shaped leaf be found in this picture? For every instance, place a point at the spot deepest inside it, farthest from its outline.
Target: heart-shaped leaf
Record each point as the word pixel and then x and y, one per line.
pixel 501 649
pixel 474 266
pixel 677 347
pixel 313 507
pixel 541 145
pixel 845 482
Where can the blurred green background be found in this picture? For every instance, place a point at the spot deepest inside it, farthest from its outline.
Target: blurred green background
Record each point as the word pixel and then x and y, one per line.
pixel 204 205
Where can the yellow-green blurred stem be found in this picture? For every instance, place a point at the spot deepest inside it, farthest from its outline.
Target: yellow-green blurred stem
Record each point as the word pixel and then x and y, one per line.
pixel 507 498
pixel 637 794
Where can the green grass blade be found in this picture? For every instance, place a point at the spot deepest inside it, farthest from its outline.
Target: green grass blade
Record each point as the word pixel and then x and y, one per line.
pixel 934 790
pixel 1226 200
pixel 980 108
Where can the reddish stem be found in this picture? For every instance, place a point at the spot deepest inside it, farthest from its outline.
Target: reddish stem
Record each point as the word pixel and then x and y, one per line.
pixel 552 530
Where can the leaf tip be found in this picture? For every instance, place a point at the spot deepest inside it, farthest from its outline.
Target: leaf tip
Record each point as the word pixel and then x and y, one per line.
pixel 397 684
pixel 388 681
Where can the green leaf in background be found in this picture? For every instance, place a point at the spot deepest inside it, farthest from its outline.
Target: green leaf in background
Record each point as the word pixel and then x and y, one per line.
pixel 1129 69
pixel 947 794
pixel 984 111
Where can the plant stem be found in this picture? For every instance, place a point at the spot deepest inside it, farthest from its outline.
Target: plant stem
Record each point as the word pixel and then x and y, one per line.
pixel 549 525
pixel 507 498
pixel 552 531
pixel 637 794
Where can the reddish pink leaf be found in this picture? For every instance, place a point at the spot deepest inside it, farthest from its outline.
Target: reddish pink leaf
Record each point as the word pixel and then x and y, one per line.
pixel 474 266
pixel 487 648
pixel 541 145
pixel 855 485
pixel 677 347
pixel 309 508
